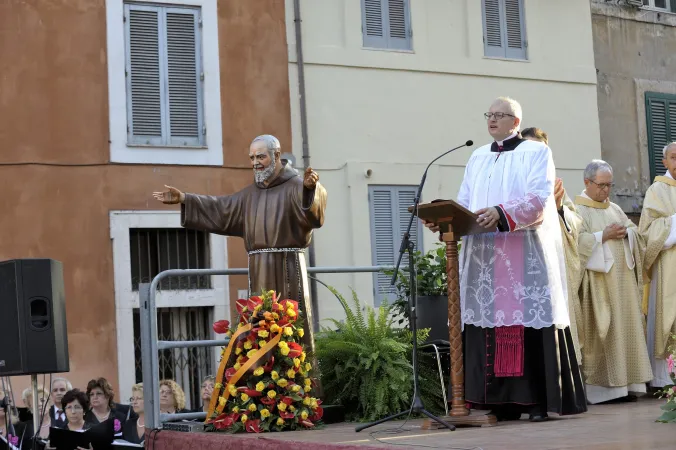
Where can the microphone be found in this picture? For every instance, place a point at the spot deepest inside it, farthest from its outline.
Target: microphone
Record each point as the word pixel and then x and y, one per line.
pixel 405 242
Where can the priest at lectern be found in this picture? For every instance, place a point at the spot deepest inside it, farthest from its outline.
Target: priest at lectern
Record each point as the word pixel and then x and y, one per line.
pixel 518 349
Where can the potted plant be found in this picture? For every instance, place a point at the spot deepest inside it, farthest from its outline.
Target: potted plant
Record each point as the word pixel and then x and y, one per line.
pixel 431 288
pixel 365 364
pixel 669 391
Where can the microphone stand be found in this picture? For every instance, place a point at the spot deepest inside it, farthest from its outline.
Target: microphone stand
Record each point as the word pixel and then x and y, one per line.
pixel 408 246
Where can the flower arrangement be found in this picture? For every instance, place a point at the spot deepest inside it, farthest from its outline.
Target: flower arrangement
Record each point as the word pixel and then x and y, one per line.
pixel 263 381
pixel 669 391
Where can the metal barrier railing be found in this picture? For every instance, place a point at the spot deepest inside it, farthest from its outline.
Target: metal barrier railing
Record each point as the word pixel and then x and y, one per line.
pixel 150 345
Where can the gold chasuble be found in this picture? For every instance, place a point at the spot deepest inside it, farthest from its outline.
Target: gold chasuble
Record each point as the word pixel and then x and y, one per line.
pixel 615 358
pixel 570 224
pixel 658 227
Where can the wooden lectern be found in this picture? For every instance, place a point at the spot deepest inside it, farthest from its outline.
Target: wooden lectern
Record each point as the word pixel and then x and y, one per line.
pixel 455 221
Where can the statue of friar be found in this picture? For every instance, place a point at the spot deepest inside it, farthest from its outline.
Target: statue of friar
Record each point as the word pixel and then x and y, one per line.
pixel 275 216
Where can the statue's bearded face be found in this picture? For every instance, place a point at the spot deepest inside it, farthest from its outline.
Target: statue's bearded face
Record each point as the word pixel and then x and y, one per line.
pixel 263 162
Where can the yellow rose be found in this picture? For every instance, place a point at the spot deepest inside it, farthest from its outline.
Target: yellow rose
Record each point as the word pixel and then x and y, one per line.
pixel 235 409
pixel 244 397
pixel 252 407
pixel 275 316
pixel 302 357
pixel 263 334
pixel 295 388
pixel 261 344
pixel 265 413
pixel 274 375
pixel 221 401
pixel 280 422
pixel 314 404
pixel 218 386
pixel 259 371
pixel 292 408
pixel 275 328
pixel 237 366
pixel 232 390
pixel 281 406
pixel 307 401
pixel 247 345
pixel 244 418
pixel 238 351
pixel 308 366
pixel 296 362
pixel 290 373
pixel 308 382
pixel 283 344
pixel 291 313
pixel 303 415
pixel 260 386
pixel 301 332
pixel 284 351
pixel 251 353
pixel 272 394
pixel 288 331
pixel 282 382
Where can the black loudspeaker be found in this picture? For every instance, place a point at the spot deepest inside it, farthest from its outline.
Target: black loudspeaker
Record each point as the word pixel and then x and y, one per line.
pixel 33 329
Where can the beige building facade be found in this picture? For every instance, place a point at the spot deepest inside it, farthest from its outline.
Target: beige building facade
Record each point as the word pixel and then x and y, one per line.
pixel 389 85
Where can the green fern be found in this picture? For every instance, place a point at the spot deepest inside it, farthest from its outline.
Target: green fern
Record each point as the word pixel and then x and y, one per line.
pixel 364 364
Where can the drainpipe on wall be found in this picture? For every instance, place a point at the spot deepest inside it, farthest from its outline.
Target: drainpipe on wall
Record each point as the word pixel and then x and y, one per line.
pixel 306 147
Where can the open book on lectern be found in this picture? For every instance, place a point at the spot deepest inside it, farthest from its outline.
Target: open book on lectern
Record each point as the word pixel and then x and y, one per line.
pixel 462 221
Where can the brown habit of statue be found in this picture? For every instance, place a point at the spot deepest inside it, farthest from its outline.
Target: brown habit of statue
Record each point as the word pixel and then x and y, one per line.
pixel 455 221
pixel 276 223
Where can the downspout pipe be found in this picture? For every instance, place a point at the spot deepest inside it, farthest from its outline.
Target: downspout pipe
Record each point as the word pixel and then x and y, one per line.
pixel 306 146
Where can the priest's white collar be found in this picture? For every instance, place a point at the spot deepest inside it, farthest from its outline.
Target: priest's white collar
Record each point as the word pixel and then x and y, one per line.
pixel 584 194
pixel 668 175
pixel 500 143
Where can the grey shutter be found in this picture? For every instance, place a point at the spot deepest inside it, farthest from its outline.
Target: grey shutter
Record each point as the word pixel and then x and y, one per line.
pixel 661 121
pixel 514 30
pixel 398 21
pixel 183 77
pixel 389 219
pixel 672 5
pixel 373 24
pixel 493 42
pixel 143 73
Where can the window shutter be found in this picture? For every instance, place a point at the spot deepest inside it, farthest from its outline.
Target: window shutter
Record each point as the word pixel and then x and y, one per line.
pixel 183 77
pixel 144 81
pixel 672 5
pixel 373 24
pixel 516 44
pixel 389 220
pixel 661 121
pixel 493 45
pixel 398 25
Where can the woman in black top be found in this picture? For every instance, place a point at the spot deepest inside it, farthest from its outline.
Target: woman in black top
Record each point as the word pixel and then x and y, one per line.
pixel 134 429
pixel 102 407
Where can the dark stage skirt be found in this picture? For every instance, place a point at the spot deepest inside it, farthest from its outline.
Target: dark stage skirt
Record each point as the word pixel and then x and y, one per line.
pixel 551 380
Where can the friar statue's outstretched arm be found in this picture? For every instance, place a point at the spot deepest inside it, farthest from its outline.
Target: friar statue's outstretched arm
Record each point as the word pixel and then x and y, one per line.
pixel 214 214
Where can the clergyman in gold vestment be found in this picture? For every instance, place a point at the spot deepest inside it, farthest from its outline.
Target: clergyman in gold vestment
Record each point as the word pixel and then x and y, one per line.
pixel 275 216
pixel 614 353
pixel 658 227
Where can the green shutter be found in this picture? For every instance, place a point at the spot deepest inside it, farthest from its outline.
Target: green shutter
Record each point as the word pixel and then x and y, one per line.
pixel 672 5
pixel 661 123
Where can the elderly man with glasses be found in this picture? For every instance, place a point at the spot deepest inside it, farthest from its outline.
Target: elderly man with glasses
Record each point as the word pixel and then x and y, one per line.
pixel 519 352
pixel 615 359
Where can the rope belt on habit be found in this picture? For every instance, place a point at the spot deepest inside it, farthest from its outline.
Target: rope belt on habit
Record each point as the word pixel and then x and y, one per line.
pixel 276 250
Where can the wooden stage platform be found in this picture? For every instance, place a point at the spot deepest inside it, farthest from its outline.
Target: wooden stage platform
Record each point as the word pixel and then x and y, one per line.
pixel 606 427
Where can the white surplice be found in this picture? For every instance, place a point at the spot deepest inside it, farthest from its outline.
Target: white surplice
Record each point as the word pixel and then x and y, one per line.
pixel 516 277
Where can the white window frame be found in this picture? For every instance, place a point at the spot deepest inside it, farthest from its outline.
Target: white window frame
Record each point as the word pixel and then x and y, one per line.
pixel 652 6
pixel 121 151
pixel 218 297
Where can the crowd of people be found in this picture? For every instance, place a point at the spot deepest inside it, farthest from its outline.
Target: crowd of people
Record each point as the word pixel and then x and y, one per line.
pixel 70 408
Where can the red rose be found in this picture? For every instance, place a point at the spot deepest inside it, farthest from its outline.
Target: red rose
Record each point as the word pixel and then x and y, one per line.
pixel 229 373
pixel 319 413
pixel 221 327
pixel 287 400
pixel 270 364
pixel 286 415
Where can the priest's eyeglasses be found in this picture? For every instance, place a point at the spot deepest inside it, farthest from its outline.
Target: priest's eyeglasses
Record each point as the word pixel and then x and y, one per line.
pixel 497 115
pixel 603 185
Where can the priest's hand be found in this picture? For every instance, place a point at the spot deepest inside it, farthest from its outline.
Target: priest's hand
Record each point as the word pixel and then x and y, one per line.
pixel 171 196
pixel 311 178
pixel 488 217
pixel 434 228
pixel 559 193
pixel 614 231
